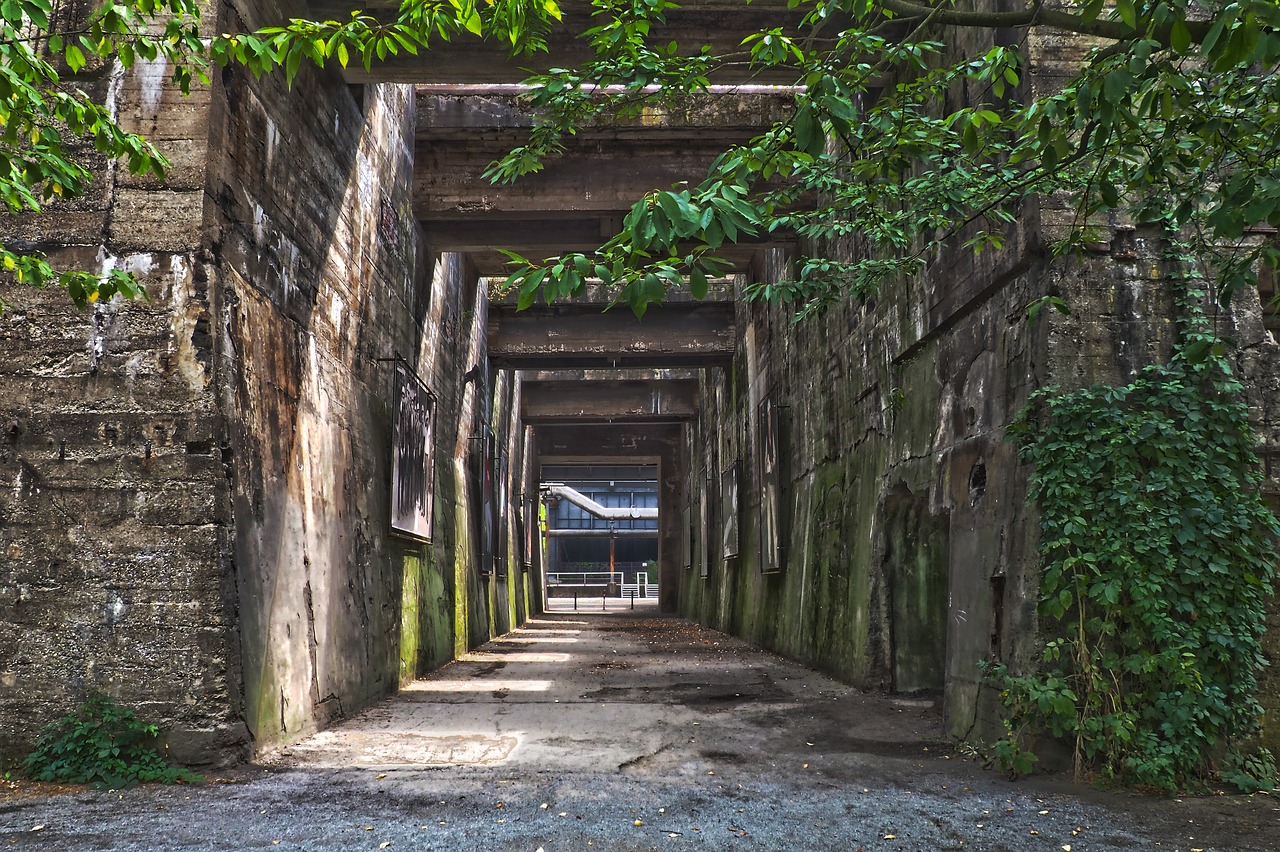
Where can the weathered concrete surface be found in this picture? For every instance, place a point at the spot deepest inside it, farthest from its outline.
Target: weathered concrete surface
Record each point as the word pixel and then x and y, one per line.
pixel 558 336
pixel 892 423
pixel 650 400
pixel 114 517
pixel 632 733
pixel 202 480
pixel 317 281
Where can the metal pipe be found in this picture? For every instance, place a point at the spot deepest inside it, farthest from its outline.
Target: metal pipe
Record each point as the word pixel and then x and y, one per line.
pixel 582 501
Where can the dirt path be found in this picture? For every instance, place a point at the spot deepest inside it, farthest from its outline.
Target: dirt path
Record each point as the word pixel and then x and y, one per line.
pixel 619 732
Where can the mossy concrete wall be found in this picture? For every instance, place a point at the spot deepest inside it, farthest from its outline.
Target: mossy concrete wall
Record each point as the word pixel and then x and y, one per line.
pixel 912 547
pixel 897 468
pixel 905 508
pixel 198 517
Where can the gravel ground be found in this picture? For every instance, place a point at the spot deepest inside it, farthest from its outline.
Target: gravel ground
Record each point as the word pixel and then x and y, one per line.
pixel 625 733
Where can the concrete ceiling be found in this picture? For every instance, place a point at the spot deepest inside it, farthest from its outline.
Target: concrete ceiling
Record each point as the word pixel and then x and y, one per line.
pixel 719 24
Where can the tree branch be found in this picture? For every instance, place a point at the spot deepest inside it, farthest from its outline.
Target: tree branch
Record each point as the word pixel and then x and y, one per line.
pixel 1037 15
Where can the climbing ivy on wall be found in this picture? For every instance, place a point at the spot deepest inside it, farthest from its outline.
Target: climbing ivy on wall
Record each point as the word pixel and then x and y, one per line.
pixel 1158 556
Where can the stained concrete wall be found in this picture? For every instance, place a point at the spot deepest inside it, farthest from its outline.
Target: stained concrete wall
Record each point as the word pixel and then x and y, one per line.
pixel 899 476
pixel 196 516
pixel 325 278
pixel 115 518
pixel 318 276
pixel 896 467
pixel 893 426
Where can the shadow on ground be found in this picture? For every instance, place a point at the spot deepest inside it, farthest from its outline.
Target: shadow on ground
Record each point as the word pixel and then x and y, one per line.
pixel 619 731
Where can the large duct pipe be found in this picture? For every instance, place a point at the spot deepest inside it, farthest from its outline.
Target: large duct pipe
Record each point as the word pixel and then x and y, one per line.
pixel 581 500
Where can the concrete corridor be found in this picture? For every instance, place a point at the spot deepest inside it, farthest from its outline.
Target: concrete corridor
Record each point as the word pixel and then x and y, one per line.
pixel 626 731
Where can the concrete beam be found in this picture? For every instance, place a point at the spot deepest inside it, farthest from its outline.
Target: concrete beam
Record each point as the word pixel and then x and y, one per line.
pixel 723 113
pixel 594 177
pixel 720 24
pixel 629 401
pixel 690 334
pixel 481 240
pixel 490 263
pixel 636 375
pixel 604 442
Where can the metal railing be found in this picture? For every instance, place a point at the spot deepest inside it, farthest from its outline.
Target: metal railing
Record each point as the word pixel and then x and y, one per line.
pixel 622 582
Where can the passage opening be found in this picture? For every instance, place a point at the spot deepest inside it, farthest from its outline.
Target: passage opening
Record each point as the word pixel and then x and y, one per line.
pixel 602 536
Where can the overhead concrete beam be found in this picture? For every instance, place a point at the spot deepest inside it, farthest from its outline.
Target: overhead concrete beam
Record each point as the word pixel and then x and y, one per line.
pixel 491 263
pixel 723 113
pixel 594 177
pixel 538 239
pixel 697 334
pixel 719 24
pixel 635 375
pixel 602 443
pixel 605 400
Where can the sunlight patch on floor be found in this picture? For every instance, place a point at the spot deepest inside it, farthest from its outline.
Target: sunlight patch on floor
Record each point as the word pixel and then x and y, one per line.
pixel 346 748
pixel 514 657
pixel 478 685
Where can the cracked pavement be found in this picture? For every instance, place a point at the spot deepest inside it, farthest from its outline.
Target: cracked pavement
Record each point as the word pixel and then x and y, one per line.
pixel 626 731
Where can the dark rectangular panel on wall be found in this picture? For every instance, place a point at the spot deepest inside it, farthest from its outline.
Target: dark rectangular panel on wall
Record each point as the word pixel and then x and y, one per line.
pixel 412 456
pixel 532 528
pixel 500 514
pixel 686 521
pixel 729 510
pixel 483 460
pixel 706 489
pixel 773 545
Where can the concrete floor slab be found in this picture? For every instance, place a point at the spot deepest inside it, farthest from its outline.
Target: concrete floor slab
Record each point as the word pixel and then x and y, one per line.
pixel 646 733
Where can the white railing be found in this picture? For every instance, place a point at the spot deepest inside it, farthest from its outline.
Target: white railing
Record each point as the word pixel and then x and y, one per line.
pixel 623 583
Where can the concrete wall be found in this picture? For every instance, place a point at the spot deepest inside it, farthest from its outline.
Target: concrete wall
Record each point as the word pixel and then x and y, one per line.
pixel 898 476
pixel 318 276
pixel 115 516
pixel 196 511
pixel 908 536
pixel 912 550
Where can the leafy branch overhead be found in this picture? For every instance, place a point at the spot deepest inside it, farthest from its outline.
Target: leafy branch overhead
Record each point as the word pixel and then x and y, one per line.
pixel 901 141
pixel 47 62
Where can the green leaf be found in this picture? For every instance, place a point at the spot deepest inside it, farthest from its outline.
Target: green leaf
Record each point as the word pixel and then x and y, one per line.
pixel 75 58
pixel 697 283
pixel 1180 36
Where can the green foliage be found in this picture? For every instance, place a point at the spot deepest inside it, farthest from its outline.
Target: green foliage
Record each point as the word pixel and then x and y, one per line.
pixel 46 116
pixel 1252 772
pixel 1158 558
pixel 903 141
pixel 102 744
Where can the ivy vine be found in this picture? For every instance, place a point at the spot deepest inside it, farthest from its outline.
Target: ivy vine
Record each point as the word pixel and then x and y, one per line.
pixel 1157 558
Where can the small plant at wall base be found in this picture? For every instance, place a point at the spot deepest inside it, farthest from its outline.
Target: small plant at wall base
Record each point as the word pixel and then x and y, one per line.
pixel 104 744
pixel 1158 557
